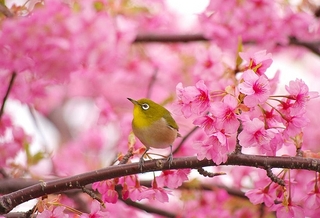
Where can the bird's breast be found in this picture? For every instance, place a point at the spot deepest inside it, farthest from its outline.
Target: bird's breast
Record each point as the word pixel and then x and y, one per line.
pixel 157 135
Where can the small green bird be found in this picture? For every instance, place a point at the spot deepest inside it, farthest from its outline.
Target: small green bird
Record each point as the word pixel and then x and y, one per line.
pixel 154 126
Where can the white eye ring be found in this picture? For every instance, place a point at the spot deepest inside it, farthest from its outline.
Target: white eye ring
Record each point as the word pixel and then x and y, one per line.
pixel 145 106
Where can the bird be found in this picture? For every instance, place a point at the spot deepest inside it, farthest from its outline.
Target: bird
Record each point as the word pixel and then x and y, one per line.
pixel 154 126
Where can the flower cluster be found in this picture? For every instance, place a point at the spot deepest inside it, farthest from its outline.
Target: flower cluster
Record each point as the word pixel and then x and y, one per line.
pixel 251 114
pixel 265 125
pixel 256 21
pixel 59 39
pixel 131 187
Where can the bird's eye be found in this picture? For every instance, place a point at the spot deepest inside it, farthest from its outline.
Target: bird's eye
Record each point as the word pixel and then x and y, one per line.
pixel 145 106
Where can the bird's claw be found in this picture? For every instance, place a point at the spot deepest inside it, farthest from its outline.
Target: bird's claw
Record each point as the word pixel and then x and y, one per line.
pixel 170 159
pixel 141 163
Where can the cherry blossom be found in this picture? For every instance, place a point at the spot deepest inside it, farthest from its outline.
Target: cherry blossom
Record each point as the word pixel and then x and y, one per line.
pixel 254 134
pixel 193 99
pixel 95 211
pixel 172 178
pixel 256 88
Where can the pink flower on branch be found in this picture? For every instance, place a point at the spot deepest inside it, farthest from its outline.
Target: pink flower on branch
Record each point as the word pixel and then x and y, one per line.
pixel 107 190
pixel 172 178
pixel 157 193
pixel 215 148
pixel 299 93
pixel 96 211
pixel 259 61
pixel 258 196
pixel 254 134
pixel 193 99
pixel 255 87
pixel 57 40
pixel 288 209
pixel 225 112
pixel 207 123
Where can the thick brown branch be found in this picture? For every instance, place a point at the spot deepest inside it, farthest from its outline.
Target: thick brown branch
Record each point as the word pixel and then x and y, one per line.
pixel 9 201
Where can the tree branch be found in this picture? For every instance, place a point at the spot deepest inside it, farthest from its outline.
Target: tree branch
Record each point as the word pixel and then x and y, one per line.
pixel 165 38
pixel 9 201
pixel 7 93
pixel 184 38
pixel 149 209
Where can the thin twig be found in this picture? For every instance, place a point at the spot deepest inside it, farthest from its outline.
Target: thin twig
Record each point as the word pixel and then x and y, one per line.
pixel 206 173
pixel 238 149
pixel 92 195
pixel 273 177
pixel 126 157
pixel 184 139
pixel 13 75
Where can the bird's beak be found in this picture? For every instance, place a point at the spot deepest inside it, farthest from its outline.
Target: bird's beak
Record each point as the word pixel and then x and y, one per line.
pixel 133 101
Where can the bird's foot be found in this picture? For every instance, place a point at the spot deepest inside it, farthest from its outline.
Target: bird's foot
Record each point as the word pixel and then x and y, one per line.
pixel 141 163
pixel 170 157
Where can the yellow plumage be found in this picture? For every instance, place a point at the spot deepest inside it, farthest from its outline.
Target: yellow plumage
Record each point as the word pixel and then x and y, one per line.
pixel 153 125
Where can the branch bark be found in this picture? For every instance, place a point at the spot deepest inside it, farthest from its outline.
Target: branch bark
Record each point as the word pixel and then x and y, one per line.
pixel 9 201
pixel 314 47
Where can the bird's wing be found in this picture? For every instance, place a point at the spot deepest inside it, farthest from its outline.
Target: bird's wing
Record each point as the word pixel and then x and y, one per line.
pixel 171 122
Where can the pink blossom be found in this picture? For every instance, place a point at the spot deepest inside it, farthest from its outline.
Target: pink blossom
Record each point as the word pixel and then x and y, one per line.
pixel 157 193
pixel 55 212
pixel 106 111
pixel 10 148
pixel 299 92
pixel 207 123
pixel 258 196
pixel 258 61
pixel 209 64
pixel 256 88
pixel 288 211
pixel 193 99
pixel 295 123
pixel 254 134
pixel 312 199
pixel 95 211
pixel 134 191
pixel 5 123
pixel 225 112
pixel 215 148
pixel 70 39
pixel 107 190
pixel 172 178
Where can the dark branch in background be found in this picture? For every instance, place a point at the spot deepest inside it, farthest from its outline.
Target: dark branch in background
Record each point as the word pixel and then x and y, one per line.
pixel 185 38
pixel 149 209
pixel 9 201
pixel 13 75
pixel 162 38
pixel 311 46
